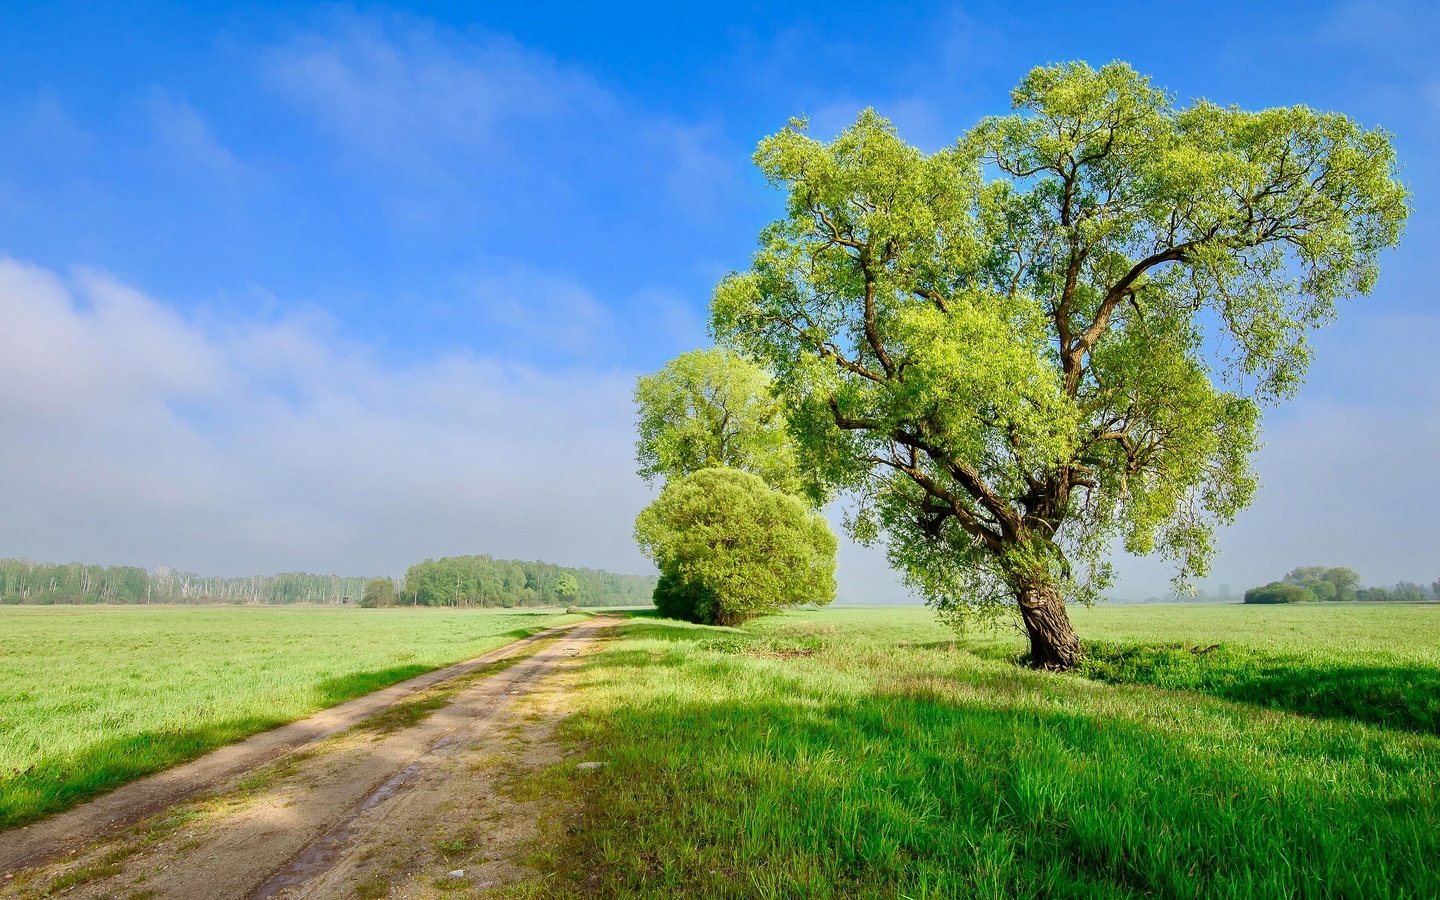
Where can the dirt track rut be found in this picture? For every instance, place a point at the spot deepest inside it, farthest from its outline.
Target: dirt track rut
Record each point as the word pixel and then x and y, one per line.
pixel 286 814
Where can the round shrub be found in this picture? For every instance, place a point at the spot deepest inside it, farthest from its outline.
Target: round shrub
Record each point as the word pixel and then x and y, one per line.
pixel 730 547
pixel 1279 592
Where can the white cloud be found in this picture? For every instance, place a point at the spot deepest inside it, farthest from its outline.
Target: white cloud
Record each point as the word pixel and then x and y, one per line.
pixel 543 312
pixel 446 113
pixel 133 435
pixel 406 92
pixel 184 135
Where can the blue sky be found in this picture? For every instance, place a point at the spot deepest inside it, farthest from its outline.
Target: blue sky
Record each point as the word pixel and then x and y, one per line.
pixel 342 287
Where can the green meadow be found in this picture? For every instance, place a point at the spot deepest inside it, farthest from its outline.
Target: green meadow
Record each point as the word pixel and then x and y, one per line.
pixel 1201 751
pixel 91 697
pixel 1204 751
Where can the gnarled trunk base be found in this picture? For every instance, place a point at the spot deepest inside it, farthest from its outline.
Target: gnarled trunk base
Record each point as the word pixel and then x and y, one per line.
pixel 1053 642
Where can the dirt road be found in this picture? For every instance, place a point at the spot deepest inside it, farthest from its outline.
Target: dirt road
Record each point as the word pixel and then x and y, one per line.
pixel 388 795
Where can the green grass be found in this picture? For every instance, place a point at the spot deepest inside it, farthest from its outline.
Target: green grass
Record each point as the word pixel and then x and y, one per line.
pixel 91 698
pixel 865 753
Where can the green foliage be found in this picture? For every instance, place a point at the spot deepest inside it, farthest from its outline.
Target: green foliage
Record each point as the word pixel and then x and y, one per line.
pixel 23 581
pixel 1321 583
pixel 1408 592
pixel 378 592
pixel 686 600
pixel 1279 592
pixel 709 408
pixel 729 547
pixel 1383 693
pixel 485 581
pixel 887 760
pixel 1332 583
pixel 91 699
pixel 1012 373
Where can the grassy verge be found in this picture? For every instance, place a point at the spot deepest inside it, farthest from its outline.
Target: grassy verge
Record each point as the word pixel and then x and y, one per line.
pixel 92 698
pixel 865 754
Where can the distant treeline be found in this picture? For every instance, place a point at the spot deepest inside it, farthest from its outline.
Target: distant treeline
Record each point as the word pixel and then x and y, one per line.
pixel 453 581
pixel 1311 583
pixel 23 581
pixel 485 581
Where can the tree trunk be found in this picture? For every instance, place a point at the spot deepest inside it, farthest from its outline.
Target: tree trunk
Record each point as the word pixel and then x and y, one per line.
pixel 1053 643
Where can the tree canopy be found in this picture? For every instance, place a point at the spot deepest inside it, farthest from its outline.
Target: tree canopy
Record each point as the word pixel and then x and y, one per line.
pixel 1326 582
pixel 482 580
pixel 1311 583
pixel 1058 333
pixel 24 581
pixel 378 592
pixel 729 548
pixel 1280 592
pixel 709 408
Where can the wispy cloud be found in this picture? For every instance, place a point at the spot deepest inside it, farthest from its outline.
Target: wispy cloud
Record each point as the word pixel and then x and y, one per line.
pixel 535 312
pixel 439 109
pixel 183 136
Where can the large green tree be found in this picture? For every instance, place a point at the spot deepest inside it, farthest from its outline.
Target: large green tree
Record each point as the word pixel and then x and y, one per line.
pixel 709 408
pixel 729 547
pixel 1058 332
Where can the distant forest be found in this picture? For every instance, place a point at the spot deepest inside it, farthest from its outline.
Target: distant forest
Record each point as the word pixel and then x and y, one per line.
pixel 1311 583
pixel 454 581
pixel 485 581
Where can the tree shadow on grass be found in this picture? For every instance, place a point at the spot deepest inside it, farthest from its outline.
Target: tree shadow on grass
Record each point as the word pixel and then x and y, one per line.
pixel 662 629
pixel 1405 697
pixel 55 784
pixel 357 684
pixel 1401 697
pixel 927 791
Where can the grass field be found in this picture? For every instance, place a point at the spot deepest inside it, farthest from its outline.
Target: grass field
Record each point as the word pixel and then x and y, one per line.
pixel 863 753
pixel 93 697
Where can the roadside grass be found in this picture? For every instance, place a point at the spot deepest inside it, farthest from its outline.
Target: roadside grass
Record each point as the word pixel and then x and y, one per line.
pixel 867 753
pixel 91 698
pixel 110 861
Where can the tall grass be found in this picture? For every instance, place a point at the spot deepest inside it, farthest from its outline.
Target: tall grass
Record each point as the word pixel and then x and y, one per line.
pixel 848 753
pixel 93 697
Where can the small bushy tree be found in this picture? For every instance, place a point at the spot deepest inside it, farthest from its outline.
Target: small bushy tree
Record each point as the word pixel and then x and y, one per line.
pixel 1326 583
pixel 709 408
pixel 378 592
pixel 567 588
pixel 1279 592
pixel 729 548
pixel 1409 592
